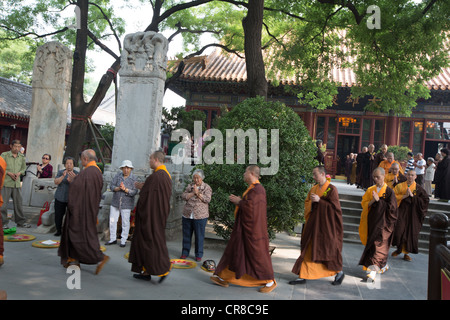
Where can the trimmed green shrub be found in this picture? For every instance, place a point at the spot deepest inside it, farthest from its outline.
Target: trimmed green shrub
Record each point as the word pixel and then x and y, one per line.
pixel 287 189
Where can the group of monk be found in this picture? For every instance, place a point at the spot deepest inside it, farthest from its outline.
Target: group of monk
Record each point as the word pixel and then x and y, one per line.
pixel 359 167
pixel 79 240
pixel 391 215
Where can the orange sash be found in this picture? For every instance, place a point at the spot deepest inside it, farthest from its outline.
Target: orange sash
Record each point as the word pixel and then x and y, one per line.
pixel 92 164
pixel 367 197
pixel 316 189
pixel 163 167
pixel 401 189
pixel 244 194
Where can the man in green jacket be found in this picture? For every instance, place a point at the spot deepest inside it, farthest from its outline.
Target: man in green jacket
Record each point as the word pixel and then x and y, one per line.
pixel 15 167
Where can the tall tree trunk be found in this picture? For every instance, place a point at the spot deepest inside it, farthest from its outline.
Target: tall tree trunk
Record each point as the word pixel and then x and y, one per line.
pixel 252 23
pixel 82 110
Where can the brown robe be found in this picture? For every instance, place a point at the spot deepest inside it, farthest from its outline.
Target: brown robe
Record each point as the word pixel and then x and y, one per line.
pixel 442 179
pixel 381 220
pixel 148 250
pixel 324 231
pixel 411 213
pixel 79 237
pixel 247 251
pixel 379 157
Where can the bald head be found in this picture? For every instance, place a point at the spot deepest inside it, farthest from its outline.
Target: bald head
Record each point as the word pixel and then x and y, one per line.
pixel 87 156
pixel 378 176
pixel 395 168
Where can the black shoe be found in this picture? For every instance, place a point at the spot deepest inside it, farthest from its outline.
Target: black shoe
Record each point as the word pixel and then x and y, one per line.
pixel 111 242
pixel 161 279
pixel 297 281
pixel 338 279
pixel 141 276
pixel 57 234
pixel 122 245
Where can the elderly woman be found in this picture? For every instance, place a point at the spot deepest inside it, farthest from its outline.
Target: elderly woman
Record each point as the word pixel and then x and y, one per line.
pixel 195 214
pixel 45 169
pixel 63 179
pixel 122 202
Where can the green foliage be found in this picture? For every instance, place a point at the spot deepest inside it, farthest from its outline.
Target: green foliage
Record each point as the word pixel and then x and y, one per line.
pixel 186 120
pixel 16 60
pixel 32 20
pixel 178 117
pixel 391 63
pixel 107 132
pixel 287 189
pixel 400 153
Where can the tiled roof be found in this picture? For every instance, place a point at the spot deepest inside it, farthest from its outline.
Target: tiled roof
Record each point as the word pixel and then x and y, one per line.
pixel 221 67
pixel 15 99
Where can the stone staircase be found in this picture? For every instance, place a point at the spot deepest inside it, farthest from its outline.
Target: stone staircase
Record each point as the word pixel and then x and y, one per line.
pixel 351 212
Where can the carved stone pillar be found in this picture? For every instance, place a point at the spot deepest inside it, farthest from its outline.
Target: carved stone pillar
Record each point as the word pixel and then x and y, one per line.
pixel 139 106
pixel 52 78
pixel 138 118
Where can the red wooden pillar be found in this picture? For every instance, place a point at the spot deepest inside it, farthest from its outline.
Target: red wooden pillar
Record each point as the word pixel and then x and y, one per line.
pixel 308 119
pixel 392 127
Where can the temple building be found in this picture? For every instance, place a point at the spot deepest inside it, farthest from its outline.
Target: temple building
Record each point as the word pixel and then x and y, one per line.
pixel 210 83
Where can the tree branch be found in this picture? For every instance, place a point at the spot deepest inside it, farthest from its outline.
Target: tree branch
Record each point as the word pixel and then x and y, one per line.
pixel 428 7
pixel 154 25
pixel 180 30
pixel 109 22
pixel 23 35
pixel 101 45
pixel 348 5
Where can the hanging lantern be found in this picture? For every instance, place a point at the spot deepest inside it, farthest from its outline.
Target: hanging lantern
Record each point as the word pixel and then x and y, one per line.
pixel 345 121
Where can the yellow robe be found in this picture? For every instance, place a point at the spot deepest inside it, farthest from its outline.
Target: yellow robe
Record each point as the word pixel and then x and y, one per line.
pixel 367 197
pixel 401 189
pixel 310 269
pixel 386 165
pixel 389 179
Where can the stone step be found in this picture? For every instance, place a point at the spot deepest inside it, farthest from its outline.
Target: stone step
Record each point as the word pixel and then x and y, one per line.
pixel 351 217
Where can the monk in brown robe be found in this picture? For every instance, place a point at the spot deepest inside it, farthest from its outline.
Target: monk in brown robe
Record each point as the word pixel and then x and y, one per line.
pixel 246 260
pixel 377 225
pixel 381 156
pixel 368 165
pixel 148 253
pixel 2 179
pixel 323 233
pixel 79 238
pixel 394 176
pixel 412 202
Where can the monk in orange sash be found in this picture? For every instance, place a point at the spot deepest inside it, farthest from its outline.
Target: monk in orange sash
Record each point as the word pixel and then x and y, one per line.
pixel 148 252
pixel 79 238
pixel 377 225
pixel 386 164
pixel 246 260
pixel 323 233
pixel 394 176
pixel 412 202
